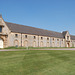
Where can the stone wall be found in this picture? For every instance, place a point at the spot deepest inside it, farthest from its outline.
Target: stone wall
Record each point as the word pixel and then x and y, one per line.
pixel 38 41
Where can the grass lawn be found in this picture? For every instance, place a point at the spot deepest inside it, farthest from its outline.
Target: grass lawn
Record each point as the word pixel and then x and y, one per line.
pixel 37 47
pixel 37 62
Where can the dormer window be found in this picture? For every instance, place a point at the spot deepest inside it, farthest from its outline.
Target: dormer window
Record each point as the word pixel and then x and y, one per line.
pixel 0 29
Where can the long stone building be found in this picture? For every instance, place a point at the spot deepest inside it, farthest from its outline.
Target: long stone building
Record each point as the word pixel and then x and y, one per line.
pixel 12 34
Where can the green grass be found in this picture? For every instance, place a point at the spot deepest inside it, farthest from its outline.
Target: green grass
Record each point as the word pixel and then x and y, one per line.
pixel 15 48
pixel 40 62
pixel 36 47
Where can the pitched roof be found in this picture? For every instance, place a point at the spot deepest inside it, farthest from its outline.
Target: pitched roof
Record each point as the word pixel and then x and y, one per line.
pixel 35 31
pixel 32 30
pixel 64 33
pixel 72 37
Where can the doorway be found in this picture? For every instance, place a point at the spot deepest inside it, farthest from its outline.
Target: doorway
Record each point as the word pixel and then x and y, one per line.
pixel 68 44
pixel 1 43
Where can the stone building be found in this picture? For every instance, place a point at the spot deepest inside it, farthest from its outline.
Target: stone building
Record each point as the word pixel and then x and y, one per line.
pixel 12 34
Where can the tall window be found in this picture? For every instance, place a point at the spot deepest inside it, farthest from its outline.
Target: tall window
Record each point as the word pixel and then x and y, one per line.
pixel 67 37
pixel 16 35
pixel 0 29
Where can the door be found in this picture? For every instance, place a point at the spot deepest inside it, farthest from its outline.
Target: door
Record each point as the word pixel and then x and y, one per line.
pixel 1 43
pixel 68 44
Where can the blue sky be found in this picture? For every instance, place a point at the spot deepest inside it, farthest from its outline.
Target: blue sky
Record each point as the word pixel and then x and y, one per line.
pixel 55 15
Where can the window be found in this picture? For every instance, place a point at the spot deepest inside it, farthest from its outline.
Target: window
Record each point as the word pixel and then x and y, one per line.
pixel 25 36
pixel 67 37
pixel 16 35
pixel 53 38
pixel 6 36
pixel 41 38
pixel 57 39
pixel 47 38
pixel 34 37
pixel 0 29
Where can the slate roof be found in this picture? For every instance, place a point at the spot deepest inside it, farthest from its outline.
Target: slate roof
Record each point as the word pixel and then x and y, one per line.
pixel 64 33
pixel 72 37
pixel 34 31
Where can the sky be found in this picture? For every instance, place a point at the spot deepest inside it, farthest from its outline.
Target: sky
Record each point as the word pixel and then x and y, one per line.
pixel 54 15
